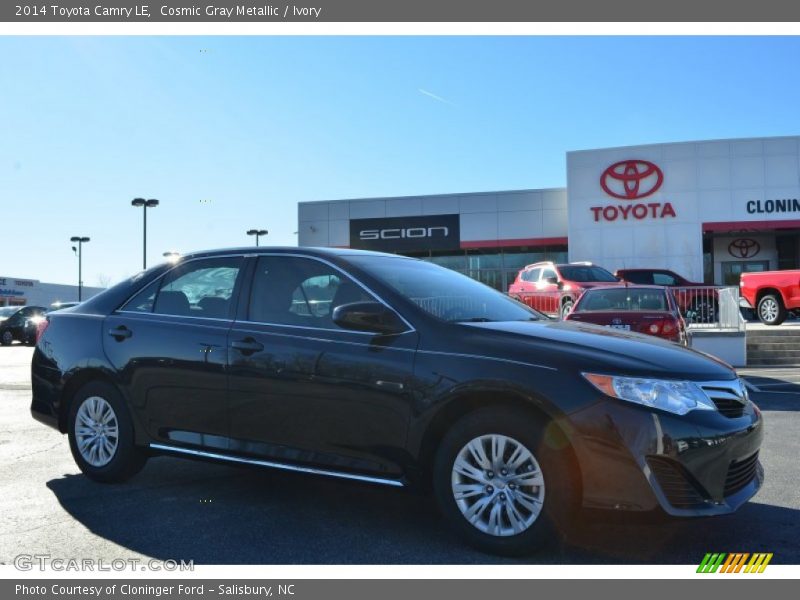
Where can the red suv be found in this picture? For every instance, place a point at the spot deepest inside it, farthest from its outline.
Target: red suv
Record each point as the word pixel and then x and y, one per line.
pixel 554 288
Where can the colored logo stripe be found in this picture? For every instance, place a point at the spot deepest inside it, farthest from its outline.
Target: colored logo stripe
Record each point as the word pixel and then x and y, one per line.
pixel 711 563
pixel 734 562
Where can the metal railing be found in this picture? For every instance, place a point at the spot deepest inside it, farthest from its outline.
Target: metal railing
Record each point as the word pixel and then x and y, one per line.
pixel 554 304
pixel 710 307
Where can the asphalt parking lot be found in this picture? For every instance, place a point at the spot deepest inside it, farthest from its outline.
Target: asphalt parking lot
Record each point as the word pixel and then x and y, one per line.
pixel 214 514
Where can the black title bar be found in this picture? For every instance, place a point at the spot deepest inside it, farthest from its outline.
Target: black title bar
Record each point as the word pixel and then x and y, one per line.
pixel 399 11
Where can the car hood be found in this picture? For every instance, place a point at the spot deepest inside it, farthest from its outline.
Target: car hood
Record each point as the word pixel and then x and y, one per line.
pixel 583 347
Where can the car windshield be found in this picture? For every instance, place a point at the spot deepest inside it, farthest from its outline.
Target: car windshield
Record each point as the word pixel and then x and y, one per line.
pixel 7 311
pixel 585 273
pixel 622 299
pixel 443 293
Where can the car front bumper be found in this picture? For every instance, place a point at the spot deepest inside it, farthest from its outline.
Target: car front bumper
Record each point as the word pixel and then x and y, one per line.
pixel 700 464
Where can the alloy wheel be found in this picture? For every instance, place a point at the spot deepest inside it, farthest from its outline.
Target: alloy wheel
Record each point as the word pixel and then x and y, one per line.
pixel 498 485
pixel 7 338
pixel 96 431
pixel 769 310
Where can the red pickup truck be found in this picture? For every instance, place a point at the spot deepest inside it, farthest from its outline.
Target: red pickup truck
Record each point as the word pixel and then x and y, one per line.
pixel 773 294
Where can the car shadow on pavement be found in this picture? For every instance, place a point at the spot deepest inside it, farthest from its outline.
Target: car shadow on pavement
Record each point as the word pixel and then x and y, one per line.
pixel 216 514
pixel 784 397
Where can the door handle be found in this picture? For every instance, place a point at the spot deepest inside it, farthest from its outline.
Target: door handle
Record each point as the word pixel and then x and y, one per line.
pixel 247 346
pixel 120 333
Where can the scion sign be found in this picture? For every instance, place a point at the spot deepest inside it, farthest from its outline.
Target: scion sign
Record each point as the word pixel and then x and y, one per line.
pixel 404 234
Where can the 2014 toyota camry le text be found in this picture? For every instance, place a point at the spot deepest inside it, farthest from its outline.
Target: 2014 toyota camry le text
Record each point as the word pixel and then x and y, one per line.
pixel 391 370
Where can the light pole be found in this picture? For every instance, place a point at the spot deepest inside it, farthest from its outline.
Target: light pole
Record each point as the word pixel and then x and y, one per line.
pixel 258 233
pixel 80 241
pixel 145 204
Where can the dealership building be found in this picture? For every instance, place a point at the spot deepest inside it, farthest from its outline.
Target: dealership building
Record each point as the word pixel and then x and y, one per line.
pixel 708 210
pixel 19 291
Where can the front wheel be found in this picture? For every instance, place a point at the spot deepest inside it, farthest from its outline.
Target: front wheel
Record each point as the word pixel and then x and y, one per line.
pixel 101 434
pixel 771 310
pixel 504 481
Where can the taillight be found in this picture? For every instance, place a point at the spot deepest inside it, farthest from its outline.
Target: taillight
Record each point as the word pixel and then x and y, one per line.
pixel 667 328
pixel 41 326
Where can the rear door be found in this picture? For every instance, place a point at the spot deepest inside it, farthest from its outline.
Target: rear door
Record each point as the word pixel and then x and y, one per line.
pixel 168 345
pixel 548 294
pixel 527 285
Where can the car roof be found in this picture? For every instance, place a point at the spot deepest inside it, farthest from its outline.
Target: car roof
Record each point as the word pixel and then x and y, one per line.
pixel 550 263
pixel 304 250
pixel 644 269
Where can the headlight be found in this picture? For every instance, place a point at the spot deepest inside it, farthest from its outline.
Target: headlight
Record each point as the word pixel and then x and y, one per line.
pixel 677 397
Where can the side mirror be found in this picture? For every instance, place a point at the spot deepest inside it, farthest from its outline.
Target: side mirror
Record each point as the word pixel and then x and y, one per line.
pixel 368 316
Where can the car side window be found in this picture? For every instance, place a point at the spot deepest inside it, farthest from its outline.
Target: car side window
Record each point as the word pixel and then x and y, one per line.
pixel 547 273
pixel 202 288
pixel 664 279
pixel 531 275
pixel 641 277
pixel 303 292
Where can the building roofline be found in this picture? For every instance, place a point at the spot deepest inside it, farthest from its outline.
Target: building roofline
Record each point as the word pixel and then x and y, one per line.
pixel 426 196
pixel 742 139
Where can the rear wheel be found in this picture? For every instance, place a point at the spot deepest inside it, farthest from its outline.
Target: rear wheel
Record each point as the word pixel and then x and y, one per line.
pixel 101 434
pixel 6 338
pixel 505 481
pixel 771 310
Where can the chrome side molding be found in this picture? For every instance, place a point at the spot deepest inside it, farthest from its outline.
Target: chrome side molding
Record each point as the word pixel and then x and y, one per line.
pixel 277 465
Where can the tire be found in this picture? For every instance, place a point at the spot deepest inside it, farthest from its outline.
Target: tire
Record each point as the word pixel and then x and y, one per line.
pixel 566 307
pixel 93 400
pixel 558 496
pixel 771 310
pixel 6 338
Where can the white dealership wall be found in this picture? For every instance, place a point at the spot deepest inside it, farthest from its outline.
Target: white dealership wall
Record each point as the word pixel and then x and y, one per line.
pixel 485 218
pixel 707 182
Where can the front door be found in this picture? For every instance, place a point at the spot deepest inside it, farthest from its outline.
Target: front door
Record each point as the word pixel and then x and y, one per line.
pixel 303 390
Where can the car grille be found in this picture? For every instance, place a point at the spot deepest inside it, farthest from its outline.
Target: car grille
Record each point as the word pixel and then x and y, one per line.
pixel 740 474
pixel 728 396
pixel 674 482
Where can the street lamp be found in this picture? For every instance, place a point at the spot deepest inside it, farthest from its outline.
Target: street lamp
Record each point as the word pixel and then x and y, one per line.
pixel 80 241
pixel 145 204
pixel 258 233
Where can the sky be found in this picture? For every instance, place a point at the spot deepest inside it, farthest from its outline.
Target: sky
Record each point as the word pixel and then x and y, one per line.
pixel 230 133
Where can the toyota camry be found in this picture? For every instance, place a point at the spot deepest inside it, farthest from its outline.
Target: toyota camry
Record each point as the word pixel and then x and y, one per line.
pixel 395 371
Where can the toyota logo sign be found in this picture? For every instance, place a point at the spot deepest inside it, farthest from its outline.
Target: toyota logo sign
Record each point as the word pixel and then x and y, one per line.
pixel 744 248
pixel 631 179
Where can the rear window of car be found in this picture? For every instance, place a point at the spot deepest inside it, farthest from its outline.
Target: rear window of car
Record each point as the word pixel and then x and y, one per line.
pixel 623 299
